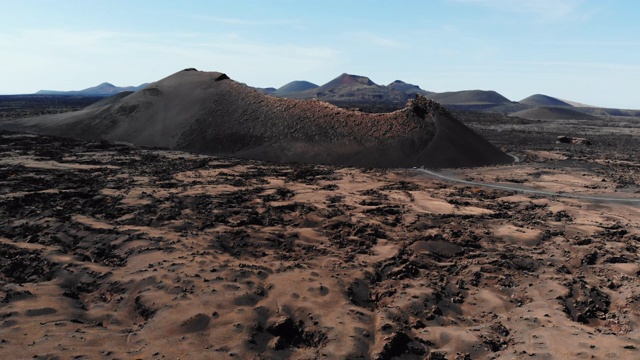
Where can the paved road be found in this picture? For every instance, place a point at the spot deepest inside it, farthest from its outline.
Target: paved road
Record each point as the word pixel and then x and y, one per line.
pixel 528 191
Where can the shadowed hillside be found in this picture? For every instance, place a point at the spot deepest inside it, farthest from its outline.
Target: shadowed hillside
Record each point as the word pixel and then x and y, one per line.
pixel 553 113
pixel 543 100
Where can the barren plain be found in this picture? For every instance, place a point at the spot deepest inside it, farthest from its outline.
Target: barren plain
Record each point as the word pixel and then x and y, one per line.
pixel 110 251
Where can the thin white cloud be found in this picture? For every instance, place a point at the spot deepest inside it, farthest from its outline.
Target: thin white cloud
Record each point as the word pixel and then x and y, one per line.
pixel 246 22
pixel 140 57
pixel 60 43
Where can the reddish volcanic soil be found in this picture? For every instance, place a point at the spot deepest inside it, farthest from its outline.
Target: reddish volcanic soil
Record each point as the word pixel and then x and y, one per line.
pixel 110 251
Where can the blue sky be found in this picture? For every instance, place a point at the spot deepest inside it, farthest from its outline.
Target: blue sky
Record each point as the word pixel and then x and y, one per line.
pixel 581 50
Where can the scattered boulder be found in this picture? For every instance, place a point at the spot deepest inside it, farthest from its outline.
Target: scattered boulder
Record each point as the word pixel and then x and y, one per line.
pixel 580 141
pixel 572 140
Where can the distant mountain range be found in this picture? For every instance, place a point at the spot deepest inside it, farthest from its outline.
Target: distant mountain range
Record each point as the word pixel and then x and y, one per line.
pixel 348 88
pixel 355 91
pixel 359 91
pixel 104 89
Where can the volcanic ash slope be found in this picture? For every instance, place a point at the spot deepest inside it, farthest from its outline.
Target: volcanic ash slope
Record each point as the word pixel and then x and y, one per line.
pixel 553 113
pixel 206 112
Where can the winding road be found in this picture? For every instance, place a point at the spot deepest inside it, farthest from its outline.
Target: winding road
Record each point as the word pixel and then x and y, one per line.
pixel 527 191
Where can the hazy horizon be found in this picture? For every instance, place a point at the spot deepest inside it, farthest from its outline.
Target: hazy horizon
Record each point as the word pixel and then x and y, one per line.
pixel 578 50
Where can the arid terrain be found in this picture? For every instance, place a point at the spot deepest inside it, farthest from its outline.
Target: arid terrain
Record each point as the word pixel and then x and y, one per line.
pixel 111 251
pixel 311 180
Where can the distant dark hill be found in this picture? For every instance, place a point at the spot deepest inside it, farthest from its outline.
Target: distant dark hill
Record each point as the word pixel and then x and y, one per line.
pixel 553 113
pixel 267 90
pixel 359 92
pixel 104 89
pixel 206 112
pixel 347 80
pixel 469 97
pixel 352 89
pixel 347 86
pixel 407 88
pixel 294 87
pixel 543 100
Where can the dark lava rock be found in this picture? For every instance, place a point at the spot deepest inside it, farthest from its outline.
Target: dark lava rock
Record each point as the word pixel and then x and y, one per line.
pixel 22 266
pixel 590 258
pixel 441 248
pixel 15 295
pixel 143 310
pixel 585 302
pixel 196 323
pixel 41 311
pixel 359 294
pixel 396 345
pixel 288 334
